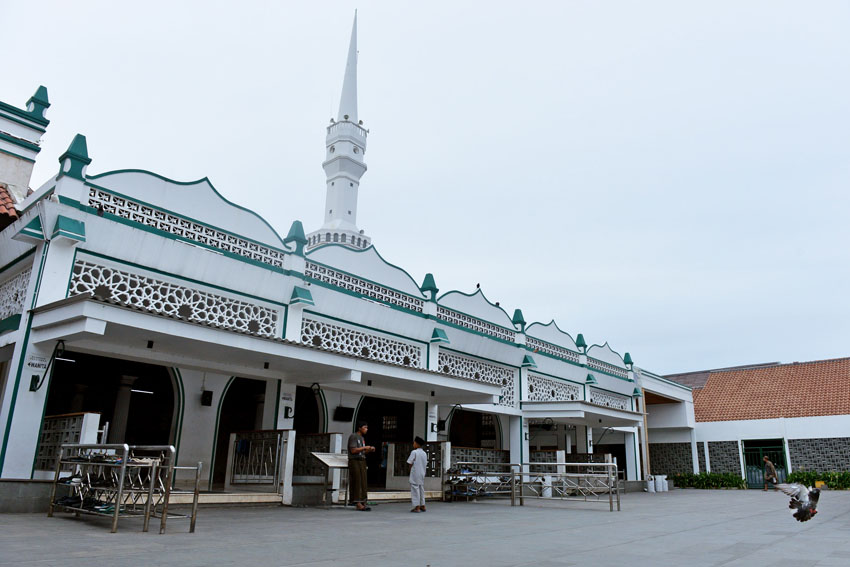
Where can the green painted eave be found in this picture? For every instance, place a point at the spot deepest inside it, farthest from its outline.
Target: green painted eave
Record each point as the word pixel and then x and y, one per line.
pixel 528 362
pixel 591 379
pixel 69 228
pixel 439 336
pixel 33 230
pixel 10 323
pixel 301 295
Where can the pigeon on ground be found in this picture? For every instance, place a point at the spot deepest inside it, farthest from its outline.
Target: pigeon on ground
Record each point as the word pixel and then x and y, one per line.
pixel 803 499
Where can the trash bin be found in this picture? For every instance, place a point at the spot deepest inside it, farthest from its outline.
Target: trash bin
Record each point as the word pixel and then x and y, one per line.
pixel 650 484
pixel 659 483
pixel 547 487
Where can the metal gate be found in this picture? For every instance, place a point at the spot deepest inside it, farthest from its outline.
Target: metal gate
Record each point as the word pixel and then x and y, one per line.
pixel 754 453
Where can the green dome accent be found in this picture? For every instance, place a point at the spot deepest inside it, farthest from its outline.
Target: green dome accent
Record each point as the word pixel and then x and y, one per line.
pixel 528 362
pixel 580 341
pixel 637 393
pixel 39 103
pixel 591 379
pixel 628 359
pixel 78 154
pixel 428 284
pixel 439 336
pixel 296 235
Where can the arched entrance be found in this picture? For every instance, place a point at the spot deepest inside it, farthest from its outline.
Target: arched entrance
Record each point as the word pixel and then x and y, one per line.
pixel 474 429
pixel 307 417
pixel 241 410
pixel 390 421
pixel 136 399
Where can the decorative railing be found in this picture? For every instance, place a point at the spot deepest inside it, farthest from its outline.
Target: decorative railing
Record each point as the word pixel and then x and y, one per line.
pixel 363 287
pixel 552 349
pixel 183 227
pixel 480 371
pixel 173 300
pixel 358 343
pixel 609 400
pixel 346 127
pixel 542 389
pixel 480 456
pixel 597 364
pixel 475 324
pixel 13 292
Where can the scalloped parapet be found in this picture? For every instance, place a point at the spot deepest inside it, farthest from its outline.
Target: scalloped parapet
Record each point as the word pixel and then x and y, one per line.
pixel 193 201
pixel 550 339
pixel 604 358
pixel 364 272
pixel 474 311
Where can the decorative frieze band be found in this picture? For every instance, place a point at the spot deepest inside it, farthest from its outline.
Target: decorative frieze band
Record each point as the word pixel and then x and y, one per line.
pixel 358 343
pixel 609 400
pixel 552 349
pixel 180 226
pixel 13 293
pixel 173 300
pixel 485 327
pixel 340 279
pixel 605 367
pixel 542 389
pixel 474 369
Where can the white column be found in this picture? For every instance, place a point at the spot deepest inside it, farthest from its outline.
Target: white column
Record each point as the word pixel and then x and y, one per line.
pixel 707 461
pixel 433 417
pixel 632 470
pixel 121 411
pixel 584 439
pixel 336 447
pixel 287 465
pixel 518 439
pixel 286 406
pixel 694 453
pixel 269 419
pixel 294 318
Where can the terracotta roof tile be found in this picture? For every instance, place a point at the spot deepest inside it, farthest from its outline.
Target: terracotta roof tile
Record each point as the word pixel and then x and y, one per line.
pixel 801 389
pixel 7 205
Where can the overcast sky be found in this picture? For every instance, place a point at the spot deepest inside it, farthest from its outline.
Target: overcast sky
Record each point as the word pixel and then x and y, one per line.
pixel 670 177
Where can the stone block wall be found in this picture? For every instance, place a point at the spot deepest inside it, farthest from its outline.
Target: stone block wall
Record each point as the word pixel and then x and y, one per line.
pixel 822 455
pixel 670 458
pixel 724 457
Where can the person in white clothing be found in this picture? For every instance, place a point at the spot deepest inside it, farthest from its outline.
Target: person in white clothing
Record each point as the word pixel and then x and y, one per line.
pixel 418 461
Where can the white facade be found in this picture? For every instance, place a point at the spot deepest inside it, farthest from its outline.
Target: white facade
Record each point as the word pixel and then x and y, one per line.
pixel 132 266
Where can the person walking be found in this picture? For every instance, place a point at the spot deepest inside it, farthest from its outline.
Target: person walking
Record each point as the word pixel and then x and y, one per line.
pixel 357 484
pixel 418 461
pixel 769 473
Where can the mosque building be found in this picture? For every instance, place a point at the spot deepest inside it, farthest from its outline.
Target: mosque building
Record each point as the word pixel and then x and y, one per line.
pixel 140 309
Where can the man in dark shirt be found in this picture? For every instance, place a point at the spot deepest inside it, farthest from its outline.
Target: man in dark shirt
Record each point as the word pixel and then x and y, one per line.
pixel 357 449
pixel 769 472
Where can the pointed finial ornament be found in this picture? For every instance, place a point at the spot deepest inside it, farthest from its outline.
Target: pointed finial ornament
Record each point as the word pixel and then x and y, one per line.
pixel 75 159
pixel 429 285
pixel 39 103
pixel 296 235
pixel 348 100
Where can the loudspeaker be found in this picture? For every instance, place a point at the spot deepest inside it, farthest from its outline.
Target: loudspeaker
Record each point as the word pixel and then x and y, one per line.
pixel 344 414
pixel 206 398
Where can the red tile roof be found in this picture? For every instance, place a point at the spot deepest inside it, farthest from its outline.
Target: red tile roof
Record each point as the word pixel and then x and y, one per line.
pixel 801 389
pixel 8 214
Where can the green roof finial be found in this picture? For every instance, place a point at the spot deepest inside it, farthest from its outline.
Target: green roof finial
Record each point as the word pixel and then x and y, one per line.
pixel 296 235
pixel 75 159
pixel 580 343
pixel 528 362
pixel 518 319
pixel 38 103
pixel 591 379
pixel 637 393
pixel 627 360
pixel 428 284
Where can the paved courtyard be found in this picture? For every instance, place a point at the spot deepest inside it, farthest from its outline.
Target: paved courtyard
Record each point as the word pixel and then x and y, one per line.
pixel 683 527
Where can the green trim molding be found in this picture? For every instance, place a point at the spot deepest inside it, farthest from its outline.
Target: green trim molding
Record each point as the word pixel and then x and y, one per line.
pixel 301 295
pixel 33 230
pixel 438 335
pixel 11 323
pixel 69 228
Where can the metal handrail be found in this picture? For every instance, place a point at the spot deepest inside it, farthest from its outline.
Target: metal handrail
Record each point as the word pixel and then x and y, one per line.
pixel 563 485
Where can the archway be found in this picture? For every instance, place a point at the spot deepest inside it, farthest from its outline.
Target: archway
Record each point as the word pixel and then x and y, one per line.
pixel 307 418
pixel 474 429
pixel 136 399
pixel 240 410
pixel 390 421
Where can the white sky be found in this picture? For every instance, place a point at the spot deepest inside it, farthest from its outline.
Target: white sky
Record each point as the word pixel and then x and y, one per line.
pixel 670 177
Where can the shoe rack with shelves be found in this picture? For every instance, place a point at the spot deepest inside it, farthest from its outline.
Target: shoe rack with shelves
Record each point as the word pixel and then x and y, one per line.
pixel 120 481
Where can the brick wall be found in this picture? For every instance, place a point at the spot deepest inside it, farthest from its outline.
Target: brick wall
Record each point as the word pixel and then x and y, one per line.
pixel 724 457
pixel 823 455
pixel 670 458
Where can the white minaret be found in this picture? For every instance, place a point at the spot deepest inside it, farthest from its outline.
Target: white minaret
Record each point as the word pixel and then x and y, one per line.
pixel 344 165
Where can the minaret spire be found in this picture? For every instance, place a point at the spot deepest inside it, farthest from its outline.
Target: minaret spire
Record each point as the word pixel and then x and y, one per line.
pixel 348 100
pixel 344 165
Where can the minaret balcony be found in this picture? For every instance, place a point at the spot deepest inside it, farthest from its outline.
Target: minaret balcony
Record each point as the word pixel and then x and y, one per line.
pixel 347 129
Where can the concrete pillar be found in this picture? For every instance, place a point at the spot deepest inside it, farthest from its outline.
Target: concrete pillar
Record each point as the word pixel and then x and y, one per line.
pixel 694 453
pixel 584 439
pixel 707 461
pixel 631 444
pixel 433 417
pixel 121 411
pixel 518 439
pixel 269 416
pixel 286 406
